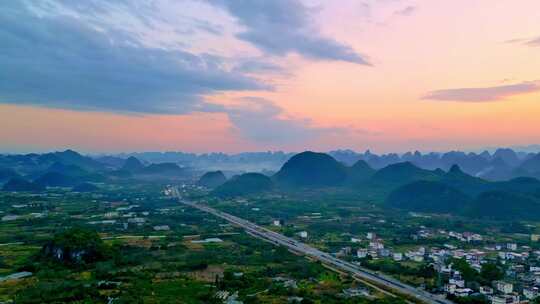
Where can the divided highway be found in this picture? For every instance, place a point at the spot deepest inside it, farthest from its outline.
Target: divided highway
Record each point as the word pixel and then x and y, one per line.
pixel 299 247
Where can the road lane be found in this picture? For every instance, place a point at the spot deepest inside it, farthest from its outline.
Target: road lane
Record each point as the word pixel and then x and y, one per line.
pixel 299 247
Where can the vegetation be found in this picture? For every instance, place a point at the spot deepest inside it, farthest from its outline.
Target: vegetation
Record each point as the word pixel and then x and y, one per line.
pixel 505 205
pixel 402 173
pixel 428 196
pixel 126 239
pixel 310 169
pixel 245 184
pixel 212 179
pixel 21 185
pixel 75 246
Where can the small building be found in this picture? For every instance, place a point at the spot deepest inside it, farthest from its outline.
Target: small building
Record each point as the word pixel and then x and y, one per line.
pixel 276 223
pixel 486 290
pixel 346 250
pixel 472 237
pixel 303 234
pixel 458 282
pixel 376 245
pixel 355 240
pixel 450 288
pixel 162 228
pixel 505 299
pixel 397 256
pixel 361 253
pixel 7 218
pixel 208 240
pixel 418 258
pixel 383 252
pixel 511 246
pixel 530 293
pixel 111 214
pixel 356 292
pixel 136 220
pixel 463 292
pixel 504 287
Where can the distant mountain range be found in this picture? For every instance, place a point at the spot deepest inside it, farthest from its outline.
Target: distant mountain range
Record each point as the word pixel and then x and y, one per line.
pixel 35 172
pixel 406 185
pixel 500 165
pixel 499 185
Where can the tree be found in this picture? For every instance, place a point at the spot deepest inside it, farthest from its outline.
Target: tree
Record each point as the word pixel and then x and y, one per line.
pixel 467 272
pixel 491 272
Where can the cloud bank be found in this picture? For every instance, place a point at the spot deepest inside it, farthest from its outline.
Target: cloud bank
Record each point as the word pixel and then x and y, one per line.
pixel 280 27
pixel 97 55
pixel 483 94
pixel 65 63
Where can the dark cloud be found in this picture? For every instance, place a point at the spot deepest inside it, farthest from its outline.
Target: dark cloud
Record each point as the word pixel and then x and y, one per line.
pixel 51 56
pixel 279 27
pixel 484 94
pixel 256 65
pixel 60 61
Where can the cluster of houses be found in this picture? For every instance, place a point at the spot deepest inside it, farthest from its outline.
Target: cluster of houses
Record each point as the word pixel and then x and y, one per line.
pixel 522 274
pixel 21 208
pixel 124 215
pixel 227 298
pixel 376 249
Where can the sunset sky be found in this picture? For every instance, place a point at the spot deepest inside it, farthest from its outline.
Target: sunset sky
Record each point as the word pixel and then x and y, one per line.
pixel 254 75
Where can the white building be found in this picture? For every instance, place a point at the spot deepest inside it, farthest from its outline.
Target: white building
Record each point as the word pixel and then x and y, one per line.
pixel 534 269
pixel 384 252
pixel 505 299
pixel 486 290
pixel 361 253
pixel 504 287
pixel 397 256
pixel 450 288
pixel 376 245
pixel 162 228
pixel 7 218
pixel 511 246
pixel 110 214
pixel 136 220
pixel 463 292
pixel 418 258
pixel 530 293
pixel 458 283
pixel 303 234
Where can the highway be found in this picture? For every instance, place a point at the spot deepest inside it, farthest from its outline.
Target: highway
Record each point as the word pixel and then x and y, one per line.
pixel 299 247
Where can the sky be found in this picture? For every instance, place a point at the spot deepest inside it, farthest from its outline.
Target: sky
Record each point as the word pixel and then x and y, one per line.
pixel 258 75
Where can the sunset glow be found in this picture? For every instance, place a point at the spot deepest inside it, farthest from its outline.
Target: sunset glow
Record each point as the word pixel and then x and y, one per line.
pixel 233 76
